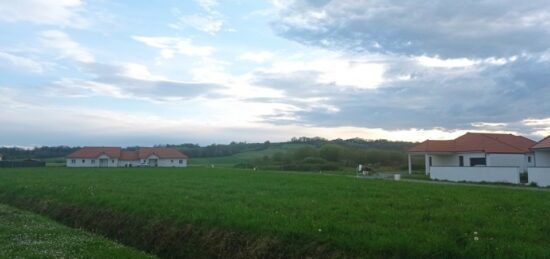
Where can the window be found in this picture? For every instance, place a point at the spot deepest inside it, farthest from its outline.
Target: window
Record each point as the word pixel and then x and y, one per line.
pixel 113 161
pixel 181 161
pixel 430 161
pixel 529 159
pixel 93 161
pixel 460 161
pixel 83 161
pixel 476 161
pixel 73 161
pixel 172 161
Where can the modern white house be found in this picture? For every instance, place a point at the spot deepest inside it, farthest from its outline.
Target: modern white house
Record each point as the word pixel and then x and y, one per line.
pixel 117 157
pixel 477 157
pixel 540 172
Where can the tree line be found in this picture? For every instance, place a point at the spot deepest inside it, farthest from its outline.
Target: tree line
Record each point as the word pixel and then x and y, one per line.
pixel 332 156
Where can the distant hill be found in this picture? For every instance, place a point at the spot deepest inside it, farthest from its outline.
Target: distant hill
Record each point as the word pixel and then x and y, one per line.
pixel 303 154
pixel 218 150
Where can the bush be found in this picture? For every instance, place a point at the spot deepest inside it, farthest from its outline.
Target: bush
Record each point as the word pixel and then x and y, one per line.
pixel 313 160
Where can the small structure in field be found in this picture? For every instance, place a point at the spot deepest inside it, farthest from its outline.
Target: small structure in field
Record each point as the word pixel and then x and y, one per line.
pixel 363 170
pixel 476 157
pixel 117 157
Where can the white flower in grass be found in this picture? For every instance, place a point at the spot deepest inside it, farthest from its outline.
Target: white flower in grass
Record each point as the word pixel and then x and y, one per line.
pixel 476 238
pixel 320 230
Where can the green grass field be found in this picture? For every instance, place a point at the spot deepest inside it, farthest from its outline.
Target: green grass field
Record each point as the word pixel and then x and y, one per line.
pixel 27 235
pixel 201 212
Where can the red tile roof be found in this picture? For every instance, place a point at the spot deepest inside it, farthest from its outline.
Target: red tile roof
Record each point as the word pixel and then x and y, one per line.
pixel 129 155
pixel 117 152
pixel 145 152
pixel 544 143
pixel 94 152
pixel 478 142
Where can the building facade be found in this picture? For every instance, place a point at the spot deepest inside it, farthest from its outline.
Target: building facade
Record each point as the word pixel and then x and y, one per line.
pixel 476 157
pixel 540 172
pixel 117 157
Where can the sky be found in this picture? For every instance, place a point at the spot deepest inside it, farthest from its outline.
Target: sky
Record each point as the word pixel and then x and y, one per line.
pixel 97 72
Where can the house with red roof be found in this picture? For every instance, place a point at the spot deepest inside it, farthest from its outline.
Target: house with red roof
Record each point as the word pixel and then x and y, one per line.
pixel 476 157
pixel 117 157
pixel 540 173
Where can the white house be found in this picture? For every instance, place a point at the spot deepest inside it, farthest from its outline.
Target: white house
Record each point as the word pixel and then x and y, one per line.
pixel 116 157
pixel 476 157
pixel 540 172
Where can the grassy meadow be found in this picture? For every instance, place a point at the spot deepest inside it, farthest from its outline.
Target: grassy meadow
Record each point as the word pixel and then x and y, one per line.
pixel 222 212
pixel 27 235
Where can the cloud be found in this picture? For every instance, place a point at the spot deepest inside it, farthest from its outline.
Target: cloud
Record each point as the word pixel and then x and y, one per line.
pixel 329 70
pixel 169 46
pixel 64 13
pixel 79 125
pixel 211 21
pixel 22 62
pixel 205 23
pixel 540 126
pixel 449 29
pixel 207 5
pixel 257 57
pixel 416 96
pixel 65 46
pixel 129 80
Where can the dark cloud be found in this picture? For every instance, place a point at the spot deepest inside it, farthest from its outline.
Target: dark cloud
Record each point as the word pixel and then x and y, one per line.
pixel 474 29
pixel 450 98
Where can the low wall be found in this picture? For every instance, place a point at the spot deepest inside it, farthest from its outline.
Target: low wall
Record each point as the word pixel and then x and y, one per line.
pixel 539 175
pixel 476 174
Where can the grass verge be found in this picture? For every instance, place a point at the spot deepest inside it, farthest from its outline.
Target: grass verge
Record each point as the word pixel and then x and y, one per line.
pixel 27 235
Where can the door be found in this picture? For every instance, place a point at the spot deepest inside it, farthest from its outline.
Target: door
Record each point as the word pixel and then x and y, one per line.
pixel 153 162
pixel 461 161
pixel 103 162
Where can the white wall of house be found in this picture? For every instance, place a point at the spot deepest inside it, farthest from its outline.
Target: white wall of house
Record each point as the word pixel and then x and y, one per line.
pixel 82 162
pixel 530 160
pixel 476 174
pixel 539 175
pixel 150 160
pixel 520 160
pixel 91 162
pixel 542 158
pixel 452 159
pixel 172 162
pixel 111 162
